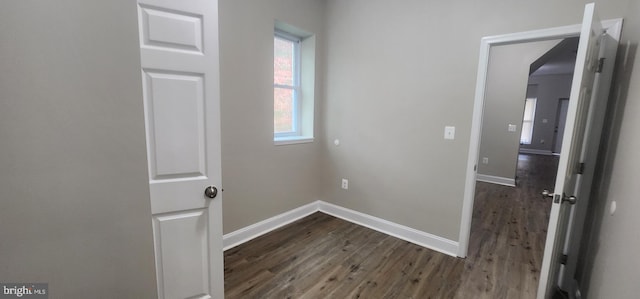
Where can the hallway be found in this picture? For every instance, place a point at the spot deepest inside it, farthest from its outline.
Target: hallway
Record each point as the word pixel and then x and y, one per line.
pixel 508 232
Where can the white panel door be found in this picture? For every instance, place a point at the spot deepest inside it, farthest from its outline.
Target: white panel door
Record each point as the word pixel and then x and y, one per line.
pixel 180 76
pixel 568 180
pixel 591 145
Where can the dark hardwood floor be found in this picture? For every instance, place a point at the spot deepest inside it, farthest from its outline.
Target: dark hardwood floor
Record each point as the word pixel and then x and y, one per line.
pixel 321 256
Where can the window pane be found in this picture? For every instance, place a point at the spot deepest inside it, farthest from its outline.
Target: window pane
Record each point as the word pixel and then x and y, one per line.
pixel 525 137
pixel 283 52
pixel 527 121
pixel 283 110
pixel 529 109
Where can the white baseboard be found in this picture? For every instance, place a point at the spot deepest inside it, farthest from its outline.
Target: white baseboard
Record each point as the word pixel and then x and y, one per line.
pixel 253 231
pixel 496 180
pixel 415 236
pixel 406 233
pixel 535 151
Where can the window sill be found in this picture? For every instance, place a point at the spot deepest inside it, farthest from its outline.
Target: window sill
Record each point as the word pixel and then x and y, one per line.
pixel 292 140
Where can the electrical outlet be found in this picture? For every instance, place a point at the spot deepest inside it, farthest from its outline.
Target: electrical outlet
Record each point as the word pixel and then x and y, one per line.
pixel 485 160
pixel 345 184
pixel 449 132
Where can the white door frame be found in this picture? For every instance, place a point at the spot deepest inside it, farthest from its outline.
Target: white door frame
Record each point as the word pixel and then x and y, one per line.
pixel 613 27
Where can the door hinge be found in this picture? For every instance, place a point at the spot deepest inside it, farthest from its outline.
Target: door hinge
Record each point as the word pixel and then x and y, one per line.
pixel 563 259
pixel 580 168
pixel 600 65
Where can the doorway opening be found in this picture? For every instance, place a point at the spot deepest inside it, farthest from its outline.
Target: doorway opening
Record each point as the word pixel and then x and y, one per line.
pixel 523 85
pixel 510 217
pixel 547 97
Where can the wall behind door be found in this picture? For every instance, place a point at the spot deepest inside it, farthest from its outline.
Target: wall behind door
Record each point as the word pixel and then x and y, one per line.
pixel 73 180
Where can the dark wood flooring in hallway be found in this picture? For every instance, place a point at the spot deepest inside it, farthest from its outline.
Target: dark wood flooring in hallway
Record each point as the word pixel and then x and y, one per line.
pixel 321 256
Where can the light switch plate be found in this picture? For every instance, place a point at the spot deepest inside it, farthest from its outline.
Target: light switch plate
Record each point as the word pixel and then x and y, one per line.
pixel 449 132
pixel 512 128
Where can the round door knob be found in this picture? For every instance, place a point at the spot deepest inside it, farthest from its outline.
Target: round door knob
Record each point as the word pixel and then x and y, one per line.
pixel 211 192
pixel 546 194
pixel 570 199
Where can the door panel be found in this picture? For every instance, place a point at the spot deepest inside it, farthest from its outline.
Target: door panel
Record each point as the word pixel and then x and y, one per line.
pixel 176 148
pixel 180 75
pixel 181 248
pixel 568 180
pixel 170 29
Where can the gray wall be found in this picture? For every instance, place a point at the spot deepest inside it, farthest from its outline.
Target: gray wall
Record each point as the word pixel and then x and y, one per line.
pixel 73 178
pixel 260 179
pixel 505 93
pixel 397 74
pixel 551 88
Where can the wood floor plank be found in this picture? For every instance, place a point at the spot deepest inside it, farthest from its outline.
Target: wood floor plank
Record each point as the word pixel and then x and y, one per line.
pixel 321 256
pixel 384 272
pixel 309 240
pixel 361 263
pixel 319 260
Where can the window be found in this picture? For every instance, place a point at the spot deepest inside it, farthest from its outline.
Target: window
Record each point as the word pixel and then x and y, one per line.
pixel 527 121
pixel 294 64
pixel 286 85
